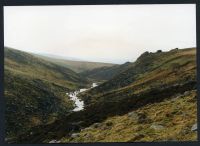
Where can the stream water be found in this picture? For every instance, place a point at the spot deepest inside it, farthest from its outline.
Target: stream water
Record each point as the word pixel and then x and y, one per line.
pixel 79 103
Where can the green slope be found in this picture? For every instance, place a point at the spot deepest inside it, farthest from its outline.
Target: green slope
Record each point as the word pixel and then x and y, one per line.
pixel 77 66
pixel 151 70
pixel 169 120
pixel 27 64
pixel 35 91
pixel 151 84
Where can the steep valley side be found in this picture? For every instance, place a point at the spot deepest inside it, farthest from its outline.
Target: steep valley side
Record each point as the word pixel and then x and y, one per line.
pixel 35 91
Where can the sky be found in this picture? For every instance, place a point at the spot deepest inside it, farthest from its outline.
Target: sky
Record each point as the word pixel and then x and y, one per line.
pixel 100 33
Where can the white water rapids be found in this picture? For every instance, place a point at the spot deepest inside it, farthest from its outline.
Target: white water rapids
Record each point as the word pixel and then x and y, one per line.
pixel 79 103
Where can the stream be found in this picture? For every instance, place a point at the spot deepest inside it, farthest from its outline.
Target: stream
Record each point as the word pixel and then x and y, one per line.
pixel 79 103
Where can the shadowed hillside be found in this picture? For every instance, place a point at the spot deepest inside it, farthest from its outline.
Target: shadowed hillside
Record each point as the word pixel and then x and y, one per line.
pixel 35 91
pixel 105 73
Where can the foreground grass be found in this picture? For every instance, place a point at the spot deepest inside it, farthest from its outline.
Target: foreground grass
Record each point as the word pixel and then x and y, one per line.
pixel 169 120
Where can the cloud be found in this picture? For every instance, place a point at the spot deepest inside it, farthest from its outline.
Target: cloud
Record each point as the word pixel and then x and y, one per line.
pixel 104 33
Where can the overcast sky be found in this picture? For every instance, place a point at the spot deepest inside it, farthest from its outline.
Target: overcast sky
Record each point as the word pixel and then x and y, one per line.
pixel 109 33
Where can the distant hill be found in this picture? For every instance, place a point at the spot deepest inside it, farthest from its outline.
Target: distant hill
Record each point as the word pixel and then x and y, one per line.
pixel 77 66
pixel 105 73
pixel 35 90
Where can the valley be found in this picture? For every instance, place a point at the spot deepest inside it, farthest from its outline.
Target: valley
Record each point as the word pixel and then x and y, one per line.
pixel 151 99
pixel 77 66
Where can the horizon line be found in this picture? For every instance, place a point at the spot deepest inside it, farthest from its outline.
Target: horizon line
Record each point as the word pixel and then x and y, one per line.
pixel 49 55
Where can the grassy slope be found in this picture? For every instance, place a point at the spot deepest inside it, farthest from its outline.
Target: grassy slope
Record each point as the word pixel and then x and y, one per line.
pixel 26 64
pixel 176 116
pixel 154 70
pixel 35 91
pixel 177 112
pixel 77 66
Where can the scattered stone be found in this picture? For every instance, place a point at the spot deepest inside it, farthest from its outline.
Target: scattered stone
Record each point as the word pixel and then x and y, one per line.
pixel 133 115
pixel 88 128
pixel 75 135
pixel 96 125
pixel 157 127
pixel 9 140
pixel 186 93
pixel 138 117
pixel 194 127
pixel 177 96
pixel 106 126
pixel 54 141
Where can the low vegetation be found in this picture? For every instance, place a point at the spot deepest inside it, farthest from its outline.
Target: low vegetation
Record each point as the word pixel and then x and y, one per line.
pixel 35 91
pixel 150 71
pixel 169 120
pixel 152 99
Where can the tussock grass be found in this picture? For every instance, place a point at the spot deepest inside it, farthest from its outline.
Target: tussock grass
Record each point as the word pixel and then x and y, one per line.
pixel 176 115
